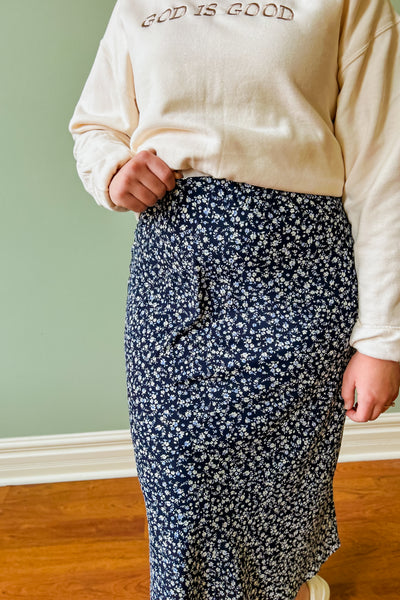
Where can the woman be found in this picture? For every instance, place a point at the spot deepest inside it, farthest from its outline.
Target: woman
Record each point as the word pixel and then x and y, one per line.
pixel 258 146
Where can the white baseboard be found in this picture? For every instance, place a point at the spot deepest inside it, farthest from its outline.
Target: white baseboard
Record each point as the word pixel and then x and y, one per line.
pixel 66 457
pixel 109 454
pixel 374 440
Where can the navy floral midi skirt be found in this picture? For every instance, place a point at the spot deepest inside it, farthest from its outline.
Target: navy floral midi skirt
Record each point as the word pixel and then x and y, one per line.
pixel 240 305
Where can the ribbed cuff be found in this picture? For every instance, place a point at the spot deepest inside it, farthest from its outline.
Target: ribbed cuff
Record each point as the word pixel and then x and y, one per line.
pixel 376 341
pixel 104 173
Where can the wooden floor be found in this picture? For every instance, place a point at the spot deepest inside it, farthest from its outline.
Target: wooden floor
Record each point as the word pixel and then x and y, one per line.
pixel 87 540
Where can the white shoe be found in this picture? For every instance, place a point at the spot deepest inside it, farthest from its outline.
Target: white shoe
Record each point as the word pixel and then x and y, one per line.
pixel 319 588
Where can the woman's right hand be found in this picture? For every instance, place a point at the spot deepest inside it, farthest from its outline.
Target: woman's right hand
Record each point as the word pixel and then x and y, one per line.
pixel 142 181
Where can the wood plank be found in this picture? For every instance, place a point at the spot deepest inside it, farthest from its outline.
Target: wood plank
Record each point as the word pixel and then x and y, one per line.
pixel 85 570
pixel 3 493
pixel 47 514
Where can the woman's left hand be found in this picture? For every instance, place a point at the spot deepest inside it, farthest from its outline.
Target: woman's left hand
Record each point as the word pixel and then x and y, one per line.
pixel 377 382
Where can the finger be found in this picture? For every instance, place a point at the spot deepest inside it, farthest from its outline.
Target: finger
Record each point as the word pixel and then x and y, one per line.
pixel 352 415
pixel 149 180
pixel 161 170
pixel 376 412
pixel 142 192
pixel 355 415
pixel 134 204
pixel 380 409
pixel 390 401
pixel 363 409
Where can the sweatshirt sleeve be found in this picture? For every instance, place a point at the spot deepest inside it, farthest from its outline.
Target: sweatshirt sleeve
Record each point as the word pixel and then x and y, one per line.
pixel 106 115
pixel 367 125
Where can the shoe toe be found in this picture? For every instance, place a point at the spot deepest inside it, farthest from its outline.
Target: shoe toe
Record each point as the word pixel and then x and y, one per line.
pixel 319 588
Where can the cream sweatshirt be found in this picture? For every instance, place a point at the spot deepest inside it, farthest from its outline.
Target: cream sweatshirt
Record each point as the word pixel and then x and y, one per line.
pixel 302 96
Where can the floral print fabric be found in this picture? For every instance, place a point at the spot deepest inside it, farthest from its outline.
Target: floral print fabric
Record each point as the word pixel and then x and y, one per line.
pixel 240 305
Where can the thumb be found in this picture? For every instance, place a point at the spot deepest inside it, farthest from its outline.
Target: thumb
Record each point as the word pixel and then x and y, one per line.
pixel 348 390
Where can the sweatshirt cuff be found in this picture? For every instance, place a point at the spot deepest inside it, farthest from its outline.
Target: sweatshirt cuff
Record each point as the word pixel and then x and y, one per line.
pixel 376 341
pixel 104 171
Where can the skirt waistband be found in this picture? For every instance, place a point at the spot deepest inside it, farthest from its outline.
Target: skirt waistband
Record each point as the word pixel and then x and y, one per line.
pixel 198 204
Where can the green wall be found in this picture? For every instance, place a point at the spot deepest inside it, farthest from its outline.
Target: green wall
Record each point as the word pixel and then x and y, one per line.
pixel 64 261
